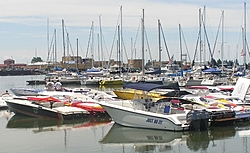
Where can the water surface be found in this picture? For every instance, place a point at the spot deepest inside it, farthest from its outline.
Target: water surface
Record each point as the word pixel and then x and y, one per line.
pixel 30 135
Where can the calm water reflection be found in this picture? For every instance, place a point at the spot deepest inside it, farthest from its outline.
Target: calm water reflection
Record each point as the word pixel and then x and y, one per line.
pixel 25 134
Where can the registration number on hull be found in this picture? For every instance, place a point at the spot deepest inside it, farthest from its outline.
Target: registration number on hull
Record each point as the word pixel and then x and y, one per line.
pixel 154 121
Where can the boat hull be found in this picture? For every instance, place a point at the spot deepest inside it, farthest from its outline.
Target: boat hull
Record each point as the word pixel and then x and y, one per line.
pixel 34 82
pixel 129 94
pixel 141 119
pixel 111 82
pixel 3 104
pixel 29 109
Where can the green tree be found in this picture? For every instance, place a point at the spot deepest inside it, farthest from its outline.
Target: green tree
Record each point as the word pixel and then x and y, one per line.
pixel 36 59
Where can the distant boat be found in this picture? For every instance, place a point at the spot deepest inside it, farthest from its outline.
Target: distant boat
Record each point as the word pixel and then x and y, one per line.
pixel 35 82
pixel 64 77
pixel 111 81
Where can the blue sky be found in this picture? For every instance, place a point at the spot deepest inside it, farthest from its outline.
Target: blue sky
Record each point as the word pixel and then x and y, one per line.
pixel 23 26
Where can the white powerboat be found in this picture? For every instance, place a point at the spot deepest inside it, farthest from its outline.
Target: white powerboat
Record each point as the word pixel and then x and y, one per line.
pixel 162 115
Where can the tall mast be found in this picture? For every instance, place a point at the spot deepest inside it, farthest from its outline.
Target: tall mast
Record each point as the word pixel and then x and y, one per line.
pixel 119 50
pixel 244 41
pixel 204 41
pixel 200 34
pixel 101 39
pixel 121 41
pixel 48 38
pixel 143 71
pixel 130 63
pixel 180 47
pixel 77 53
pixel 55 47
pixel 222 41
pixel 159 37
pixel 92 45
pixel 98 49
pixel 63 39
pixel 67 44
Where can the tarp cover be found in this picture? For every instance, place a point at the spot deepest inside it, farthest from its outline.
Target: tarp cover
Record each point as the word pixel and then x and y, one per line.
pixel 45 99
pixel 93 70
pixel 150 86
pixel 212 70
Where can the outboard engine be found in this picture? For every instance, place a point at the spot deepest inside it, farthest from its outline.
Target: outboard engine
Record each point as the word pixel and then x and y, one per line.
pixel 198 120
pixel 205 116
pixel 194 120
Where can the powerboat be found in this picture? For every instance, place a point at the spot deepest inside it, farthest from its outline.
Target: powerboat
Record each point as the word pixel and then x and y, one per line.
pixel 45 107
pixel 150 114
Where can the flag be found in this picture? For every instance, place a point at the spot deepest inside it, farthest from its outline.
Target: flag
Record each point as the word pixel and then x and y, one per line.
pixel 171 60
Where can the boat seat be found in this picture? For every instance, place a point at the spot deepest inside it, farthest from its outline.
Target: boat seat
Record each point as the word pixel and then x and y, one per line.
pixel 45 104
pixel 58 104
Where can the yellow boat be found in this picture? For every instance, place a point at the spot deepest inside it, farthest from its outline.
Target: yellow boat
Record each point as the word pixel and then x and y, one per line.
pixel 111 82
pixel 143 90
pixel 129 94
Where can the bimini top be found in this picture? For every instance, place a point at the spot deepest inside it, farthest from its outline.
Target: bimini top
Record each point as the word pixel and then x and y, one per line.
pixel 151 86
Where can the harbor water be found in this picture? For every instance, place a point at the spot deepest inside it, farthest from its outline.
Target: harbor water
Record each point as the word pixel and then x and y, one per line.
pixel 32 135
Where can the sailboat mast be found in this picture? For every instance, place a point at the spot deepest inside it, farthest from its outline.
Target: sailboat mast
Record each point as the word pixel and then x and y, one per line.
pixel 143 71
pixel 55 49
pixel 98 49
pixel 119 50
pixel 200 34
pixel 222 41
pixel 121 41
pixel 180 47
pixel 48 39
pixel 204 42
pixel 159 35
pixel 63 38
pixel 68 44
pixel 101 39
pixel 92 45
pixel 77 54
pixel 244 41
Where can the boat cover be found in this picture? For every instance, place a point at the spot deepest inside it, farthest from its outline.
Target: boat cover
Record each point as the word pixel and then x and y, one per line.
pixel 212 70
pixel 150 86
pixel 45 99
